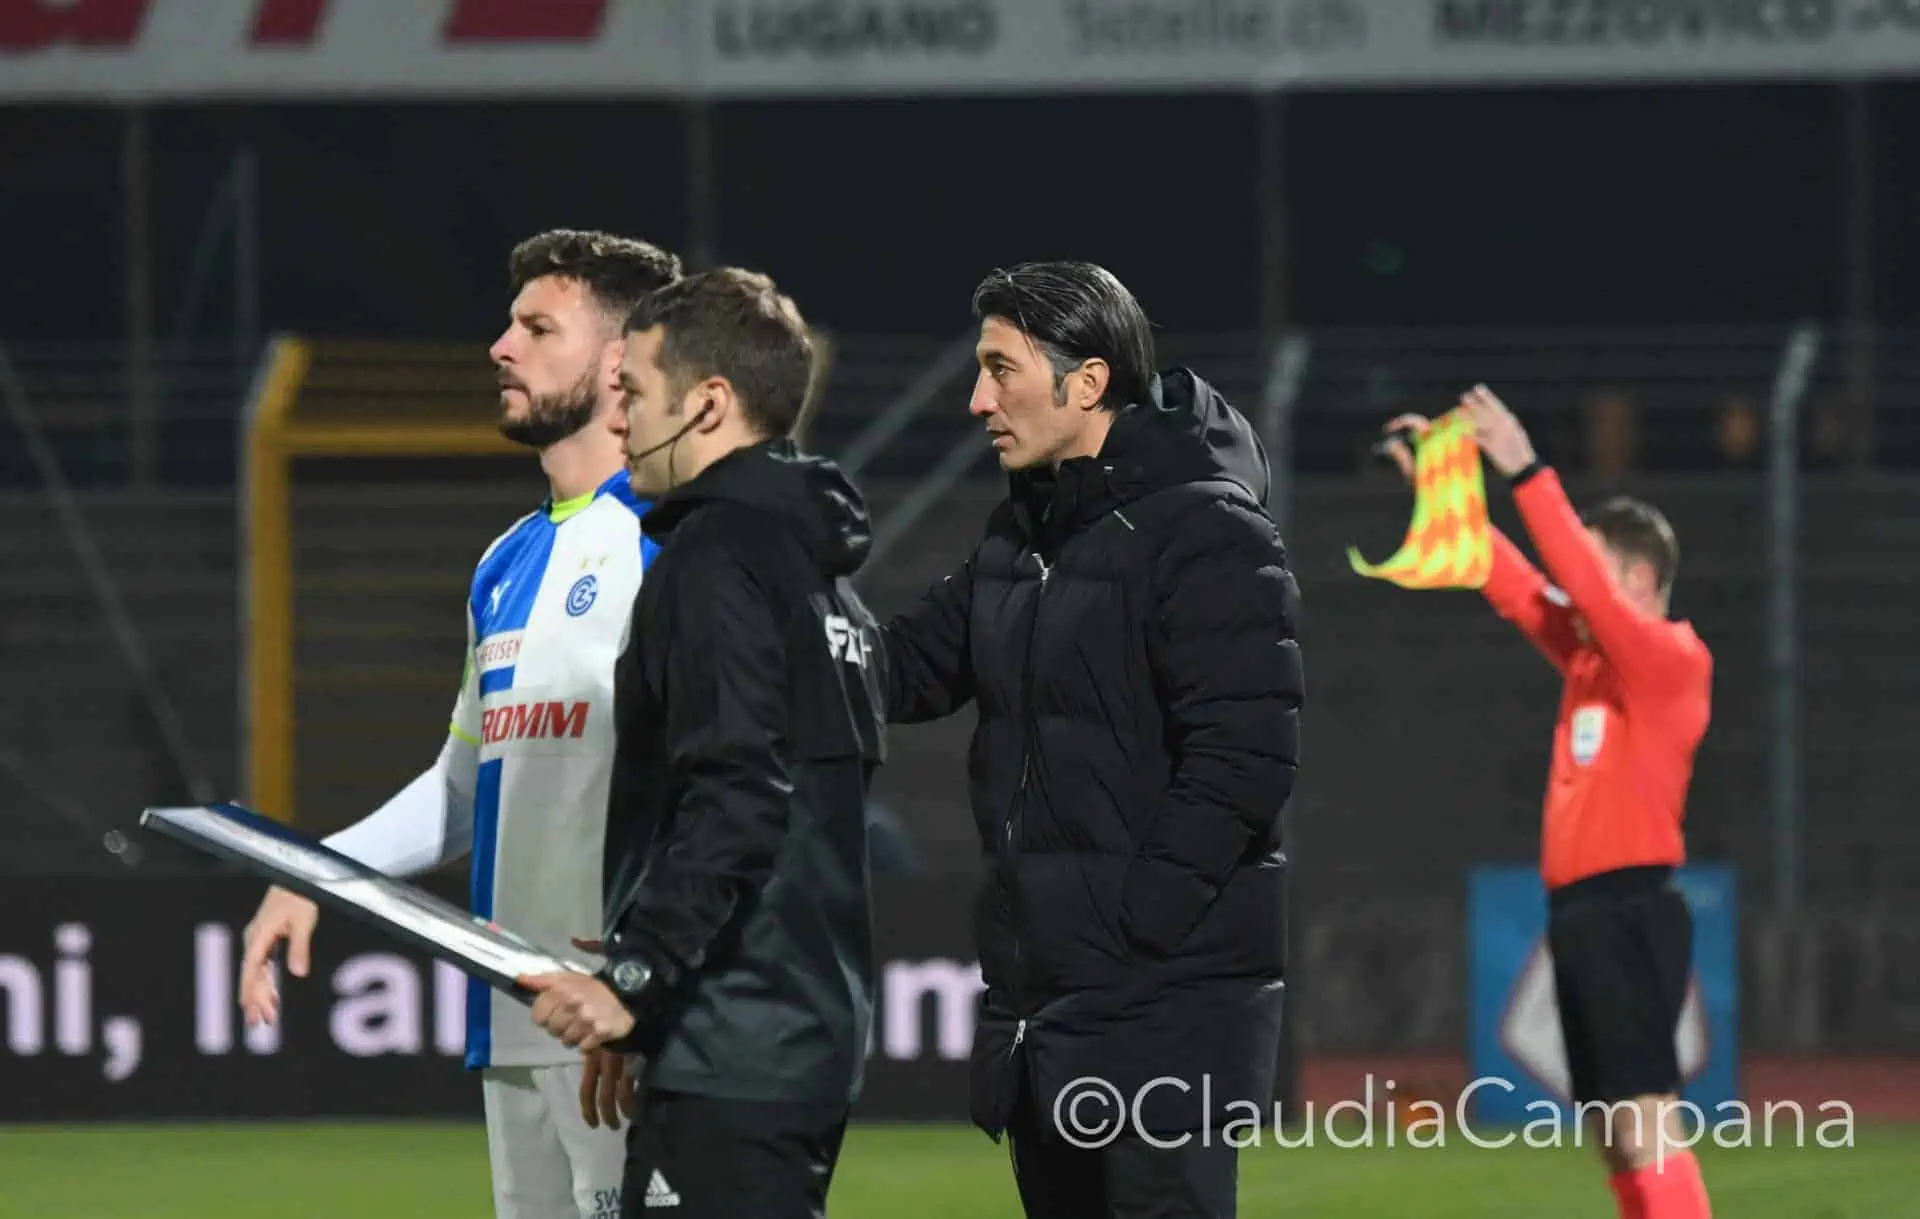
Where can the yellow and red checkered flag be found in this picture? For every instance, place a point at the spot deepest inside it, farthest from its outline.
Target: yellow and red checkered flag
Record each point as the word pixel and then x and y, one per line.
pixel 1449 542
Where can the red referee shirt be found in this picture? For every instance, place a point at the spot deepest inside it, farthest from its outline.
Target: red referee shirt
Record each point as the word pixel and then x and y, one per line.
pixel 1634 707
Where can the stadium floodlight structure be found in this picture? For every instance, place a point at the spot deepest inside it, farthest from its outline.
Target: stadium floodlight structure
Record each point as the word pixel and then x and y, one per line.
pixel 373 477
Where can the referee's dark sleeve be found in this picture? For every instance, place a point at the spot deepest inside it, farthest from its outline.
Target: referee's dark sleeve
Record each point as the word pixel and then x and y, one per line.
pixel 725 696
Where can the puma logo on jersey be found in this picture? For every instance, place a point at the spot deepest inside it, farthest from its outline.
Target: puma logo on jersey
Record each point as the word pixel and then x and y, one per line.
pixel 533 721
pixel 845 642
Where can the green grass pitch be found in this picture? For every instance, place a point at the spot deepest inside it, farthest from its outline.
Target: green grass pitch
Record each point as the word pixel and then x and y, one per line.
pixel 311 1171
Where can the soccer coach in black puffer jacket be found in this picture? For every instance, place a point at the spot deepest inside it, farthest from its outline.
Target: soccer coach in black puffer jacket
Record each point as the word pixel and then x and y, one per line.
pixel 1125 631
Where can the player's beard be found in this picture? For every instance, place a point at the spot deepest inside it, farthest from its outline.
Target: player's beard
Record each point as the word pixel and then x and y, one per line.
pixel 551 418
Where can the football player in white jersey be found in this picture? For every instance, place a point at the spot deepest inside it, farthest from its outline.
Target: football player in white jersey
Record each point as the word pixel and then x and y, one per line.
pixel 521 783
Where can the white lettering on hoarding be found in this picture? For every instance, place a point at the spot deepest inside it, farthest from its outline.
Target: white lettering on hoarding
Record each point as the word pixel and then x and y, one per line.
pixel 72 1014
pixel 955 988
pixel 384 1004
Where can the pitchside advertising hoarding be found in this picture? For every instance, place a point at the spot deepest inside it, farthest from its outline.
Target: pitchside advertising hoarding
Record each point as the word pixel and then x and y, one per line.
pixel 1517 1064
pixel 185 49
pixel 117 1001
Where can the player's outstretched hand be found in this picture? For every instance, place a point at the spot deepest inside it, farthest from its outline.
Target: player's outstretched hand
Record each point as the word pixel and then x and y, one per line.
pixel 608 1089
pixel 1396 447
pixel 283 915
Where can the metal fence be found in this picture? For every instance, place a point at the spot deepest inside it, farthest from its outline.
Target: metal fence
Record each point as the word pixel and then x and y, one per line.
pixel 1789 458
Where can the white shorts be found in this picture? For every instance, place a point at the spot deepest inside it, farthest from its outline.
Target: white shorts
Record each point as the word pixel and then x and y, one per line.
pixel 547 1163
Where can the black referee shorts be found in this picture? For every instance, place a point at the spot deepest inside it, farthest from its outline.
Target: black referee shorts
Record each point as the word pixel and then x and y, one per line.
pixel 1622 945
pixel 703 1157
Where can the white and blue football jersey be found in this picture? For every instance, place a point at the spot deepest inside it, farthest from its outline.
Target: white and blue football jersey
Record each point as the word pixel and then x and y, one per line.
pixel 546 619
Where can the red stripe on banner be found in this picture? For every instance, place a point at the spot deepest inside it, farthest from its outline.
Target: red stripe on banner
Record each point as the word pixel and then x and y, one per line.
pixel 287 22
pixel 35 25
pixel 526 20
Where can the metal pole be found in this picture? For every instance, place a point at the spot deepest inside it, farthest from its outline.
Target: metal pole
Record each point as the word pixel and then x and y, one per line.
pixel 1284 373
pixel 93 564
pixel 1288 358
pixel 1860 347
pixel 913 401
pixel 246 258
pixel 960 459
pixel 1783 616
pixel 137 189
pixel 1270 181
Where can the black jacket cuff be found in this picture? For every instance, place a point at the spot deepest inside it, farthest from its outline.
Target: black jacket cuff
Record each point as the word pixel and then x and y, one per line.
pixel 648 1002
pixel 1532 468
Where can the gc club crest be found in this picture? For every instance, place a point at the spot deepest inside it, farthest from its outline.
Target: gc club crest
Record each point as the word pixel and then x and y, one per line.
pixel 581 596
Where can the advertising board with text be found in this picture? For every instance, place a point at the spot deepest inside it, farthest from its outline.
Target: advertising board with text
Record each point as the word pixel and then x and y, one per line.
pixel 117 1001
pixel 495 49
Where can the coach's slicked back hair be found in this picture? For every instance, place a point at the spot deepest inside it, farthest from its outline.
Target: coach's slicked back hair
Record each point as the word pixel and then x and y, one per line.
pixel 1075 311
pixel 1639 531
pixel 734 323
pixel 618 271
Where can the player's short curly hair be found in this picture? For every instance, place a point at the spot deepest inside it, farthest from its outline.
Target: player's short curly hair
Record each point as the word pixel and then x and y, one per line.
pixel 617 271
pixel 1638 530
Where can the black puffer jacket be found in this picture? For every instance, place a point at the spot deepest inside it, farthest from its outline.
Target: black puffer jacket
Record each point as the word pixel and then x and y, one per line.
pixel 1126 633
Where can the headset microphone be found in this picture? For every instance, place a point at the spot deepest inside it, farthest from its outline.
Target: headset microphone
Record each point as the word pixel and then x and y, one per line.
pixel 672 440
pixel 676 437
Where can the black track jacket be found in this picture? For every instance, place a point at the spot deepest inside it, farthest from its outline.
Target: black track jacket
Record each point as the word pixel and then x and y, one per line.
pixel 748 712
pixel 1125 632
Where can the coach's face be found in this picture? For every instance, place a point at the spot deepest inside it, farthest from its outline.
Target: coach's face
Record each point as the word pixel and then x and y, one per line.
pixel 550 362
pixel 1031 421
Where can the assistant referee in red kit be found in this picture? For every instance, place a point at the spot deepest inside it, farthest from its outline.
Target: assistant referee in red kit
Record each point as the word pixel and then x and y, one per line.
pixel 1634 707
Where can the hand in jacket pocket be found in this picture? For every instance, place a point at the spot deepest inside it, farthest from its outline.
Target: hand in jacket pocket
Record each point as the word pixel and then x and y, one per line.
pixel 1160 904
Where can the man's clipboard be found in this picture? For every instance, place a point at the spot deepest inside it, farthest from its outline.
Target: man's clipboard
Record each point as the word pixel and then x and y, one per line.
pixel 393 907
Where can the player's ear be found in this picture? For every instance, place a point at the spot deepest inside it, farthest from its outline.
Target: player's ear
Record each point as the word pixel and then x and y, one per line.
pixel 1641 581
pixel 611 353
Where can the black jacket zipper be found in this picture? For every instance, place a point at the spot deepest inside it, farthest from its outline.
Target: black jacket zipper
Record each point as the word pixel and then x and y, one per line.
pixel 1029 747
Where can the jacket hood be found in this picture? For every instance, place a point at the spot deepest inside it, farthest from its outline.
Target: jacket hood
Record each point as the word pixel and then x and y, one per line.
pixel 1185 431
pixel 808 493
